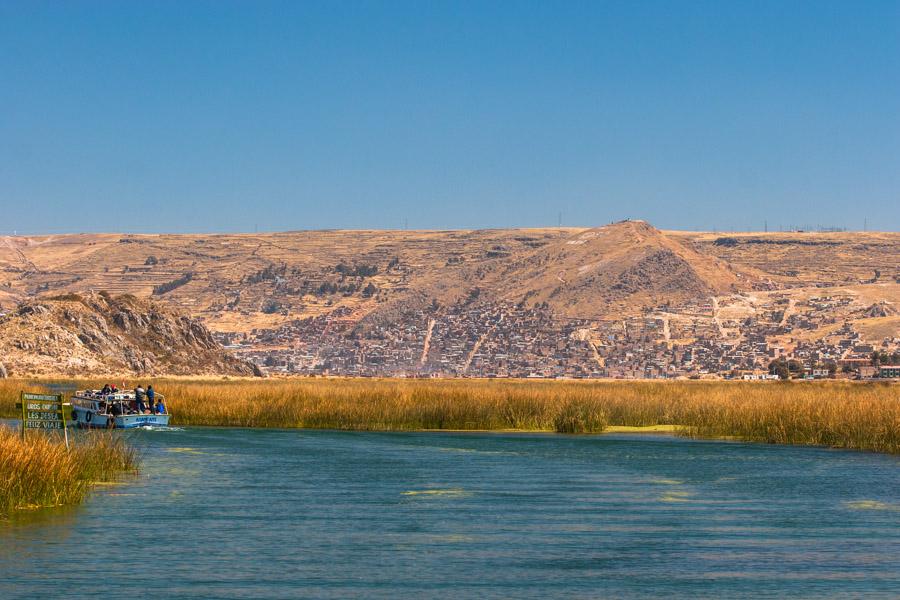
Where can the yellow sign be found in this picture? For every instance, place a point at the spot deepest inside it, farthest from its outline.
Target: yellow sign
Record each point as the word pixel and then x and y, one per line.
pixel 43 411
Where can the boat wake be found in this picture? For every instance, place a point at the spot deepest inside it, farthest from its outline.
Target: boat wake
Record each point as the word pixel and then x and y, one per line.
pixel 160 428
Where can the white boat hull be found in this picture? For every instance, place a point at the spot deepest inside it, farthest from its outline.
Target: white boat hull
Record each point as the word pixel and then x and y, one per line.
pixel 132 421
pixel 86 418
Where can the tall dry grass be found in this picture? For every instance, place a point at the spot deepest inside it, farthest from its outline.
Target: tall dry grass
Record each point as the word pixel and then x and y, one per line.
pixel 840 414
pixel 9 394
pixel 39 471
pixel 357 404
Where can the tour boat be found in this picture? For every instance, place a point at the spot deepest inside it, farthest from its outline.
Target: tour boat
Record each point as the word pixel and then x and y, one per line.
pixel 94 409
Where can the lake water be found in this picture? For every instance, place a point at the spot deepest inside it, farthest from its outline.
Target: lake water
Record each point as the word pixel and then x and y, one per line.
pixel 232 513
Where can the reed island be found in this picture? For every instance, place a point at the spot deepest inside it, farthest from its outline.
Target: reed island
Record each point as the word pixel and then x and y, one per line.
pixel 853 415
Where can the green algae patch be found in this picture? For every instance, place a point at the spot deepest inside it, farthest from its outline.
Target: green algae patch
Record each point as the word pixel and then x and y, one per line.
pixel 439 493
pixel 643 428
pixel 871 505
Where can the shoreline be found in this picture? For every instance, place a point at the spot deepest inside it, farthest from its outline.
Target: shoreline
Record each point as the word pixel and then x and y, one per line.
pixel 644 429
pixel 852 415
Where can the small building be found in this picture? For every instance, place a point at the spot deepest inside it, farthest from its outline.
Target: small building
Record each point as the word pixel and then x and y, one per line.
pixel 867 371
pixel 889 371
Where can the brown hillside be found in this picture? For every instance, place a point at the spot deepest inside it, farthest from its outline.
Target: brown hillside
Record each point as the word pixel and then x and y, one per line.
pixel 241 282
pixel 795 259
pixel 622 267
pixel 101 334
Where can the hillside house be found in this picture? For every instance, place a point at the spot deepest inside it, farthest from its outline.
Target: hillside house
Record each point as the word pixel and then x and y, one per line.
pixel 889 371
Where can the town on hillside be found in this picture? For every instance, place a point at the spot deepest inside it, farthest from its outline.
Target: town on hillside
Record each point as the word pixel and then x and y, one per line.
pixel 486 339
pixel 624 300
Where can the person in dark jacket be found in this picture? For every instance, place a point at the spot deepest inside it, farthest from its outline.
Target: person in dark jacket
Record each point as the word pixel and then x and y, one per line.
pixel 151 397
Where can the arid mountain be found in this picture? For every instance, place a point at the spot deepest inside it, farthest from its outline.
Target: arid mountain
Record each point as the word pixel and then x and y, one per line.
pixel 238 282
pixel 101 334
pixel 463 302
pixel 797 259
pixel 619 268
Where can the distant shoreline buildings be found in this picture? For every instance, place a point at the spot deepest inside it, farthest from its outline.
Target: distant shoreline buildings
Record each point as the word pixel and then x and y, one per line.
pixel 498 340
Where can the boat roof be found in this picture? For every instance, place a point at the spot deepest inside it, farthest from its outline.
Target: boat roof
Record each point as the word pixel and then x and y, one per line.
pixel 95 394
pixel 98 395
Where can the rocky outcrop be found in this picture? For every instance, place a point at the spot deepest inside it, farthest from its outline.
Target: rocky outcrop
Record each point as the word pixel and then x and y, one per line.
pixel 881 309
pixel 99 333
pixel 621 268
pixel 661 270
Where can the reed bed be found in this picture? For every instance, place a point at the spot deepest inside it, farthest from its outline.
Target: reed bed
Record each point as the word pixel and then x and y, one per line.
pixel 863 416
pixel 9 394
pixel 40 472
pixel 392 405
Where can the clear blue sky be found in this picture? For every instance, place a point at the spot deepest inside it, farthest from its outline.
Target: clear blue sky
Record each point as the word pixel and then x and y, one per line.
pixel 231 116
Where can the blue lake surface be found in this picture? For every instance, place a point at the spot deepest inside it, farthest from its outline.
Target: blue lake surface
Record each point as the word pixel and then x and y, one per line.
pixel 239 513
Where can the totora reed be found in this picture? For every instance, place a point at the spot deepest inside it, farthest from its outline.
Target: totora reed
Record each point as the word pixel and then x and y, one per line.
pixel 856 415
pixel 40 472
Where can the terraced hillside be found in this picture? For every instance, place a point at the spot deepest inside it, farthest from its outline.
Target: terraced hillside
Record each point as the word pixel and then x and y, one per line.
pixel 806 259
pixel 459 301
pixel 237 282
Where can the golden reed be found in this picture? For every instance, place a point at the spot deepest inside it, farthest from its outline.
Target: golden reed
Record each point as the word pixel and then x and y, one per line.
pixel 863 416
pixel 39 471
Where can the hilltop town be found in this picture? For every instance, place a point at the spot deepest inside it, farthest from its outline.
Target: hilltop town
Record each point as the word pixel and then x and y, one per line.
pixel 620 301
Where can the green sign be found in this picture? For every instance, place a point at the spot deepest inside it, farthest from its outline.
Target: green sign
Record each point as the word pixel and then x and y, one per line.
pixel 43 411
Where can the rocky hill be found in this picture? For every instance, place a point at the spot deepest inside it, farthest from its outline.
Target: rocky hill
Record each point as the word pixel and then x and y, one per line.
pixel 101 334
pixel 465 301
pixel 621 268
pixel 240 282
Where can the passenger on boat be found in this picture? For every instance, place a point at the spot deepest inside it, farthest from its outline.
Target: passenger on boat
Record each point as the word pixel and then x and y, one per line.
pixel 115 409
pixel 139 394
pixel 160 408
pixel 106 390
pixel 151 396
